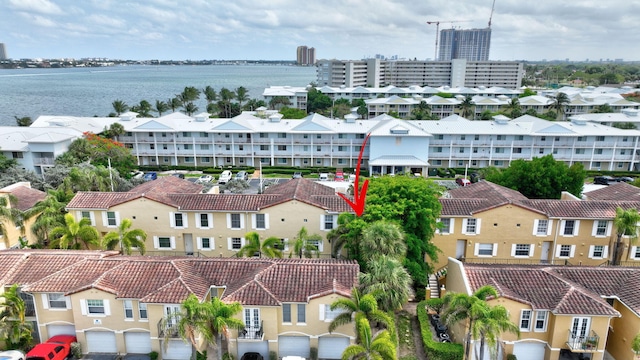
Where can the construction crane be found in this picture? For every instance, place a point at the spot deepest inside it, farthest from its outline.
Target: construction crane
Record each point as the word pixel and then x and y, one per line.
pixel 438 22
pixel 491 16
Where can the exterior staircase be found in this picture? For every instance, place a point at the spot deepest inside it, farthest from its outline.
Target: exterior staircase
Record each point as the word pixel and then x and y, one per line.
pixel 434 289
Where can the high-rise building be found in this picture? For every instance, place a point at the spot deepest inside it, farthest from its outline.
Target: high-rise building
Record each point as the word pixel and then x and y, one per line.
pixel 306 55
pixel 3 52
pixel 470 44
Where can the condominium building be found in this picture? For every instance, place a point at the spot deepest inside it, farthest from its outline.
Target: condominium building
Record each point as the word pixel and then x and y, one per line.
pixel 306 55
pixel 455 73
pixel 3 52
pixel 468 44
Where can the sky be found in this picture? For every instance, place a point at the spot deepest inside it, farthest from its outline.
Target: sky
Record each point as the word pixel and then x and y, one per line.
pixel 337 29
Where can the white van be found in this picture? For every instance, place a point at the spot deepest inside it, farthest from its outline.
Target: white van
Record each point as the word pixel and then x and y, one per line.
pixel 323 177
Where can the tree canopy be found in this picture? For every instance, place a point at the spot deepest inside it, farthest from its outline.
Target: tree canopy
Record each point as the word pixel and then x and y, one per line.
pixel 98 150
pixel 540 178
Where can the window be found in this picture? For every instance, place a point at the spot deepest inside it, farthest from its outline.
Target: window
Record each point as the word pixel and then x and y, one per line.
pixel 260 221
pixel 112 219
pixel 501 137
pixel 599 138
pixel 204 134
pixel 570 227
pixel 342 148
pixel 471 226
pixel 164 242
pixel 565 251
pixel 541 320
pixel 188 159
pixel 282 160
pixel 95 306
pixel 236 243
pixel 186 134
pixel 601 228
pixel 542 227
pixel 486 249
pixel 463 137
pixel 476 137
pixel 205 243
pixel 525 320
pixel 128 309
pixel 582 138
pixel 440 137
pixel 439 149
pixel 517 150
pixel 142 309
pixel 227 147
pixel 579 151
pixel 302 313
pixel 461 150
pixel 318 148
pixel 206 159
pixel 236 222
pixel 328 222
pixel 178 220
pixel 445 224
pixel 88 215
pixel 286 313
pixel 522 250
pixel 56 301
pixel 204 146
pixel 635 252
pixel 264 147
pixel 204 220
pixel 329 315
pixel 598 251
pixel 282 147
pixel 165 147
pixel 282 135
pixel 188 146
pixel 263 135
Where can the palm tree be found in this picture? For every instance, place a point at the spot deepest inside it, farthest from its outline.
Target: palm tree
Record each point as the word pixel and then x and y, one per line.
pixel 460 307
pixel 490 323
pixel 210 94
pixel 277 102
pixel 161 107
pixel 626 223
pixel 268 247
pixel 114 130
pixel 190 108
pixel 378 347
pixel 174 104
pixel 635 344
pixel 346 235
pixel 560 101
pixel 242 94
pixel 466 107
pixel 359 304
pixel 143 109
pixel 382 237
pixel 513 108
pixel 304 244
pixel 388 281
pixel 13 327
pixel 125 238
pixel 9 214
pixel 119 107
pixel 48 213
pixel 23 121
pixel 422 111
pixel 73 233
pixel 224 104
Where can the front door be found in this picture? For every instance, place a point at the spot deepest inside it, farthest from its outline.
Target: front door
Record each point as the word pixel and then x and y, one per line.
pixel 171 314
pixel 188 244
pixel 580 329
pixel 252 323
pixel 461 247
pixel 544 254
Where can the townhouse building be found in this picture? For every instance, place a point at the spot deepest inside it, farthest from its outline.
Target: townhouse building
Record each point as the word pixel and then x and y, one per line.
pixel 127 304
pixel 562 312
pixel 21 197
pixel 178 219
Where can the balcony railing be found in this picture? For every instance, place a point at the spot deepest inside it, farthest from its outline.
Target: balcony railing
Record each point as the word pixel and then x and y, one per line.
pixel 588 343
pixel 168 330
pixel 251 333
pixel 44 161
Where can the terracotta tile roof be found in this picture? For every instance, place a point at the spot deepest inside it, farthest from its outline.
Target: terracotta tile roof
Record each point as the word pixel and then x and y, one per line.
pixel 579 209
pixel 619 191
pixel 168 185
pixel 310 192
pixel 251 281
pixel 27 197
pixel 99 200
pixel 481 196
pixel 221 202
pixel 546 288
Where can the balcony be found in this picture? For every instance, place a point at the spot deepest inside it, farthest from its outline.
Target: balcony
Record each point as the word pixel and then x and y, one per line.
pixel 166 329
pixel 44 161
pixel 251 333
pixel 588 343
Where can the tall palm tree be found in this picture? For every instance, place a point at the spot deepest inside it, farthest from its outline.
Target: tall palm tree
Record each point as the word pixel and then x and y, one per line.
pixel 242 95
pixel 513 108
pixel 143 109
pixel 378 347
pixel 462 307
pixel 174 103
pixel 74 233
pixel 466 107
pixel 161 107
pixel 226 96
pixel 626 223
pixel 490 323
pixel 359 304
pixel 49 213
pixel 422 111
pixel 210 94
pixel 119 106
pixel 253 245
pixel 382 237
pixel 9 214
pixel 190 108
pixel 304 244
pixel 560 101
pixel 388 281
pixel 13 327
pixel 125 238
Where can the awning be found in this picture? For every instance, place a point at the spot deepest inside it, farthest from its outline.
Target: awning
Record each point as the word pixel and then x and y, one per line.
pixel 397 160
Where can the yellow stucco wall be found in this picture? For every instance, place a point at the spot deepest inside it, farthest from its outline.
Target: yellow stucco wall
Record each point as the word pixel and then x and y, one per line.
pixel 625 329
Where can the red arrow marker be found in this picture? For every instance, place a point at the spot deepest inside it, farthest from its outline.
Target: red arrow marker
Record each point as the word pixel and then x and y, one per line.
pixel 359 197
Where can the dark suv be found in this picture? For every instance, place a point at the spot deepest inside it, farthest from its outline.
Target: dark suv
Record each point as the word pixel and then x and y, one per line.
pixel 603 180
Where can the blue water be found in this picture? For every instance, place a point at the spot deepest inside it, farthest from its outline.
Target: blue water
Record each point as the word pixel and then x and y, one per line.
pixel 90 91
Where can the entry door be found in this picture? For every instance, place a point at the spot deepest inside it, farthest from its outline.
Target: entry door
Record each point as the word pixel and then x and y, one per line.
pixel 461 248
pixel 544 254
pixel 580 328
pixel 188 243
pixel 252 322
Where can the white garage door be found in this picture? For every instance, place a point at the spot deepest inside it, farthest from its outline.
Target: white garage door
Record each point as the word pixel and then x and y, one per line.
pixel 137 342
pixel 331 347
pixel 529 350
pixel 101 342
pixel 54 330
pixel 294 346
pixel 261 347
pixel 177 350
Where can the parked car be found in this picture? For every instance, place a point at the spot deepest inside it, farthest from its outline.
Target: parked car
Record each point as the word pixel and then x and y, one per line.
pixel 152 175
pixel 297 175
pixel 252 356
pixel 463 181
pixel 323 177
pixel 205 179
pixel 11 355
pixel 603 180
pixel 178 175
pixel 626 179
pixel 56 348
pixel 225 177
pixel 242 175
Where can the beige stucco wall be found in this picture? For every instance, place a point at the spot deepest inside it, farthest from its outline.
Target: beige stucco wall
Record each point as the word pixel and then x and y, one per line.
pixel 625 329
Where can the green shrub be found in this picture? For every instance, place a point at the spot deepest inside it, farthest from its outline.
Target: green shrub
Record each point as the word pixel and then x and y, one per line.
pixel 313 353
pixel 225 356
pixel 76 350
pixel 436 350
pixel 273 355
pixel 421 294
pixel 435 304
pixel 511 357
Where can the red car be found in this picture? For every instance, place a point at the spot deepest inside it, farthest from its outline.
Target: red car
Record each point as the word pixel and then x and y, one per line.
pixel 56 348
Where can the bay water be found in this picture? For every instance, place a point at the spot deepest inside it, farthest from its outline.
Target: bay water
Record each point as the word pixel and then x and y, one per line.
pixel 91 91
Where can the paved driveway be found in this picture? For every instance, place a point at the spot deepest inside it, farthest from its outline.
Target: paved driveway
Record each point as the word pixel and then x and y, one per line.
pixel 115 357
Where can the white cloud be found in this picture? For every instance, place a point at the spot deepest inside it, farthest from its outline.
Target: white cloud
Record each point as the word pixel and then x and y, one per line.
pixel 37 6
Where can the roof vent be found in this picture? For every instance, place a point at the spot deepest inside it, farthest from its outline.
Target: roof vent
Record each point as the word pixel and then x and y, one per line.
pixel 501 119
pixel 630 112
pixel 275 117
pixel 128 116
pixel 577 120
pixel 202 116
pixel 350 118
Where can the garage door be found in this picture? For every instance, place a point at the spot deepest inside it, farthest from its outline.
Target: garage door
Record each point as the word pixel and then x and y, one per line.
pixel 101 342
pixel 137 342
pixel 54 330
pixel 176 350
pixel 331 347
pixel 261 347
pixel 294 346
pixel 529 350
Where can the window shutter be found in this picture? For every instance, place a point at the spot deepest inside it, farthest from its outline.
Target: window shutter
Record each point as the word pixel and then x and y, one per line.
pixel 478 222
pixel 229 243
pixel 228 221
pixel 185 220
pixel 322 222
pixel 321 312
pixel 45 301
pixel 495 249
pixel 83 306
pixel 464 226
pixel 576 227
pixel 452 225
pixel 594 228
pixel 242 242
pixel 242 216
pixel 78 215
pixel 68 301
pixel 592 248
pixel 210 218
pixel 107 310
pixel 513 249
pixel 93 218
pixel 286 244
pixel 535 226
pixel 532 248
pixel 117 218
pixel 266 221
pixel 609 226
pixel 320 245
pixel 156 243
pixel 633 252
pixel 172 219
pixel 104 219
pixel 549 226
pixel 605 252
pixel 563 223
pixel 573 250
pixel 172 240
pixel 476 248
pixel 199 243
pixel 253 221
pixel 558 247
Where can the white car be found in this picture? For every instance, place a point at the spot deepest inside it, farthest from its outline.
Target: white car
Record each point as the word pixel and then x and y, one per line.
pixel 205 179
pixel 225 177
pixel 11 355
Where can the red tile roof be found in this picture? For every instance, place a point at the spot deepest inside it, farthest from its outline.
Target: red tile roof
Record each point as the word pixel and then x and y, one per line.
pixel 168 185
pixel 619 191
pixel 251 281
pixel 27 197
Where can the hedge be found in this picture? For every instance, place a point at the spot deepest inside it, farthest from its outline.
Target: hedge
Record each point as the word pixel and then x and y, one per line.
pixel 436 350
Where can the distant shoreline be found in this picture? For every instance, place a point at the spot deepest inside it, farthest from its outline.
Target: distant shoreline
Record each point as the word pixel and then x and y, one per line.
pixel 71 63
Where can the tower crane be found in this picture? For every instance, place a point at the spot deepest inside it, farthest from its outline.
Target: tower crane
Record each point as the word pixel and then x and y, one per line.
pixel 491 16
pixel 438 22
